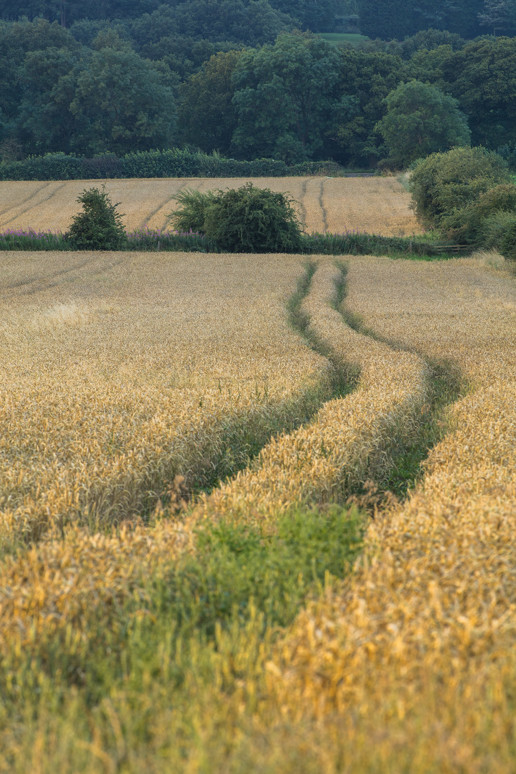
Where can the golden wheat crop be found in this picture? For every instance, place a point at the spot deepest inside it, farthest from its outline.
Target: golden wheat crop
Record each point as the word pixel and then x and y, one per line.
pixel 411 665
pixel 120 372
pixel 349 439
pixel 380 204
pixel 407 666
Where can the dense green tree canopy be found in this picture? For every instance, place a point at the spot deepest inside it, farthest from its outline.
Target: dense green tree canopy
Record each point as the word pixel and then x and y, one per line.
pixel 400 18
pixel 482 76
pixel 284 94
pixel 309 15
pixel 420 120
pixel 121 104
pixel 366 78
pixel 207 117
pixel 103 75
pixel 44 120
pixel 499 17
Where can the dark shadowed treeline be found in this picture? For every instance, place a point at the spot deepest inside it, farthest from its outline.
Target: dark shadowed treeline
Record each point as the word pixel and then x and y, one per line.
pixel 241 79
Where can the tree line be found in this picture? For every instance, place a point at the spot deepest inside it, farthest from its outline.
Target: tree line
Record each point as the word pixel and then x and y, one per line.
pixel 388 19
pixel 144 82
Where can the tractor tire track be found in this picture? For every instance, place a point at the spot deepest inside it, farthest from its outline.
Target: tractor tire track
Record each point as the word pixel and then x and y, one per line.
pixel 155 211
pixel 445 385
pixel 323 208
pixel 27 209
pixel 45 281
pixel 28 198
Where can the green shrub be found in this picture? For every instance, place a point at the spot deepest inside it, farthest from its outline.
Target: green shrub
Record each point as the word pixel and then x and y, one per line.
pixel 499 233
pixel 466 225
pixel 192 212
pixel 445 183
pixel 99 226
pixel 508 241
pixel 250 219
pixel 242 220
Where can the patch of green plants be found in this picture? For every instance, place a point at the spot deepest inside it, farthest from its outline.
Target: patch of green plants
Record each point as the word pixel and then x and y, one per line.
pixel 28 239
pixel 239 574
pixel 359 243
pixel 343 38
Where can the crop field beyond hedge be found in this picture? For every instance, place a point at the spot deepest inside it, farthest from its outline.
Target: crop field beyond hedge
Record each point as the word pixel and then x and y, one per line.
pixel 377 205
pixel 257 513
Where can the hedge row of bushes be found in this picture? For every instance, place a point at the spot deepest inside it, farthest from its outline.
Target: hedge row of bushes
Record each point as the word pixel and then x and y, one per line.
pixel 467 194
pixel 175 162
pixel 173 241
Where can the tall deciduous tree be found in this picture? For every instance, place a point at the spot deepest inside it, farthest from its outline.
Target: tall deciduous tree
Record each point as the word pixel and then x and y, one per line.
pixel 482 77
pixel 207 117
pixel 44 121
pixel 121 104
pixel 284 96
pixel 420 120
pixel 365 79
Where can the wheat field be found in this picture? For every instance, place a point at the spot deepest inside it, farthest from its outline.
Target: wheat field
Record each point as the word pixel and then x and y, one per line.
pixel 121 372
pixel 113 381
pixel 376 205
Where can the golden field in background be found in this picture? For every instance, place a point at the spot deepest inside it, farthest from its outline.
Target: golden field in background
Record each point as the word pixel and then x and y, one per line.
pixel 379 205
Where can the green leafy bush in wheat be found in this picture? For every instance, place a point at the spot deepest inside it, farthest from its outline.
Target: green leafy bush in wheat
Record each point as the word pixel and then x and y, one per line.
pixel 99 225
pixel 246 220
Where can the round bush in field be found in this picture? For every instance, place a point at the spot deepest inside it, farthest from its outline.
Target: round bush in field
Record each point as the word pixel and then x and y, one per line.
pixel 253 220
pixel 445 182
pixel 99 225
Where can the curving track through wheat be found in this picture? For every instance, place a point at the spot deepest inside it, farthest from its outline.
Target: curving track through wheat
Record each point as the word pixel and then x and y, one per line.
pixel 376 205
pixel 120 371
pixel 408 666
pixel 411 665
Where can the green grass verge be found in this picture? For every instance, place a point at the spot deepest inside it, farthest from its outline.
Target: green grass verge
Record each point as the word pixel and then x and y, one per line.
pixel 349 243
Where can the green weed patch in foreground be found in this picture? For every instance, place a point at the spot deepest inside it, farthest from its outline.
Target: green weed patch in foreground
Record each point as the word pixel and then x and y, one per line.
pixel 167 675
